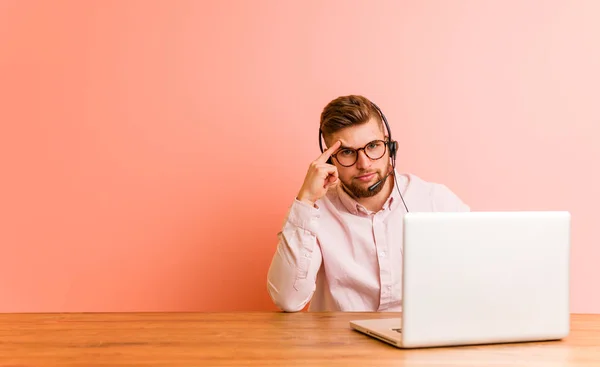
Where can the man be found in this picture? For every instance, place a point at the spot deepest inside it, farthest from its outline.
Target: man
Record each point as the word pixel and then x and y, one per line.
pixel 340 247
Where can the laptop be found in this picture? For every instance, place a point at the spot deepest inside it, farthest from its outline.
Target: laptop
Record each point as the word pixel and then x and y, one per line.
pixel 480 278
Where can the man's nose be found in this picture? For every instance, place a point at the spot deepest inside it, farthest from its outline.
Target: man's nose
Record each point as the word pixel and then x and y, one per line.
pixel 362 161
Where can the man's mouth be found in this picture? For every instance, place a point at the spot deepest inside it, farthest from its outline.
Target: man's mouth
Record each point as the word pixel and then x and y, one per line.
pixel 366 177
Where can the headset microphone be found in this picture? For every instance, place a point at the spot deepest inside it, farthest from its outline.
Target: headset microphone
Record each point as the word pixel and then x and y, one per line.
pixel 374 186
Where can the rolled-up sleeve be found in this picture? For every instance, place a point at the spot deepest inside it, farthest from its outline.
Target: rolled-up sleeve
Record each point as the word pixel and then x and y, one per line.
pixel 291 279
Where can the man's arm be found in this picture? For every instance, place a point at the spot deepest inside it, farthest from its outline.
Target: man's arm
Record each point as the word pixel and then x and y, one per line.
pixel 291 279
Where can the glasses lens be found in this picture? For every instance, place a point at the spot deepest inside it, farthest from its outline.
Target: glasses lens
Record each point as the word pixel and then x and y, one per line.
pixel 346 157
pixel 375 149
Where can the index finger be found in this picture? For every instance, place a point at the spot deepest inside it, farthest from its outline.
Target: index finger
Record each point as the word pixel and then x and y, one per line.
pixel 327 153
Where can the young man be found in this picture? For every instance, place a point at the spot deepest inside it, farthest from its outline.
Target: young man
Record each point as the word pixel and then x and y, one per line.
pixel 341 244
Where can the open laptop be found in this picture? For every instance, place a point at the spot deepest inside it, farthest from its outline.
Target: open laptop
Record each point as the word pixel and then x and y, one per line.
pixel 480 278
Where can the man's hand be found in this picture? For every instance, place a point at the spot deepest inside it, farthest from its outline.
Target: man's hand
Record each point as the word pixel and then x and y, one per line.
pixel 321 176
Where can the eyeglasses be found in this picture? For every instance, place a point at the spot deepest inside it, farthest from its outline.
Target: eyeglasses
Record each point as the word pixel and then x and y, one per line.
pixel 348 156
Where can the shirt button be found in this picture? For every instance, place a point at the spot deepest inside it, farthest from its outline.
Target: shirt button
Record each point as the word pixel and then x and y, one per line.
pixel 382 253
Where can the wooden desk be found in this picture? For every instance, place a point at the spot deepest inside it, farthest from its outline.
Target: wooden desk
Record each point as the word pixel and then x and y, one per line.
pixel 256 339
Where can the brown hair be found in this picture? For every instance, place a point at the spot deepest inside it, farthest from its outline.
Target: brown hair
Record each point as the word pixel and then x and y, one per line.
pixel 347 111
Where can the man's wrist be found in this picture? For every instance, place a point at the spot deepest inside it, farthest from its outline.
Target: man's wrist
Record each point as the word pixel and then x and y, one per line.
pixel 305 201
pixel 302 197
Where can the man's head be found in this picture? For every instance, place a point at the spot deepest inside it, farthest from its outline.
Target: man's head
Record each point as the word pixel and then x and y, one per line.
pixel 363 158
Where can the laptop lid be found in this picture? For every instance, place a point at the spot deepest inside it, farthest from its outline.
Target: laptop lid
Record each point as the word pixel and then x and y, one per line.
pixel 485 277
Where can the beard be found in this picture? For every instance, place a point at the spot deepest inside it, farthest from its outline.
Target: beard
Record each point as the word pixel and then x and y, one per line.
pixel 361 189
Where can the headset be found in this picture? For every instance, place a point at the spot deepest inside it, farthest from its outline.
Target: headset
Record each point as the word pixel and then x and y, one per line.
pixel 393 147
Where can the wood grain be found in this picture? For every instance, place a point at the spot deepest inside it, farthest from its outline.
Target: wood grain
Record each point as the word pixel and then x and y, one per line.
pixel 257 339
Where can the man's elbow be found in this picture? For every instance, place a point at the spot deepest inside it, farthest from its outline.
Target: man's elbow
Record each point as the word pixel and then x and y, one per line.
pixel 289 307
pixel 283 302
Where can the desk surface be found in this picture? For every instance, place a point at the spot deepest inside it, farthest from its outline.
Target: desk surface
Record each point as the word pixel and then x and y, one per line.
pixel 256 339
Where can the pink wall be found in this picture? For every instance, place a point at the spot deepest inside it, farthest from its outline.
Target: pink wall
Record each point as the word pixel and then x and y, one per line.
pixel 150 149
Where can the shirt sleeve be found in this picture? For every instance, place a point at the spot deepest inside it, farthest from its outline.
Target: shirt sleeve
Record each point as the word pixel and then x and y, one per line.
pixel 291 279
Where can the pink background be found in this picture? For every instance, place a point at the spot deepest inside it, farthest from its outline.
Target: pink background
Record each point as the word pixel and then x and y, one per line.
pixel 150 149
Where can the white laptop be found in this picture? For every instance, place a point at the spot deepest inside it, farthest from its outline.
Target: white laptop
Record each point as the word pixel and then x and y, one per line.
pixel 480 278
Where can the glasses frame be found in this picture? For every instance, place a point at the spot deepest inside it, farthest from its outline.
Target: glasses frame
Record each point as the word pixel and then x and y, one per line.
pixel 385 149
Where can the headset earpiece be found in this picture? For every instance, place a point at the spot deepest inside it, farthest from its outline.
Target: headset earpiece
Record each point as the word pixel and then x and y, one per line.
pixel 393 149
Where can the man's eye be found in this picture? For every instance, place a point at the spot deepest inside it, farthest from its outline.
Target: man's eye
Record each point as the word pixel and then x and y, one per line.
pixel 347 152
pixel 372 145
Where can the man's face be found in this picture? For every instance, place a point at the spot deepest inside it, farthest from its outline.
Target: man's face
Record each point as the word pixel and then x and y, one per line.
pixel 365 171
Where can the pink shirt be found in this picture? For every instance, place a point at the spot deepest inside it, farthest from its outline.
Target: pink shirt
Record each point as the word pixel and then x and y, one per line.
pixel 341 257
